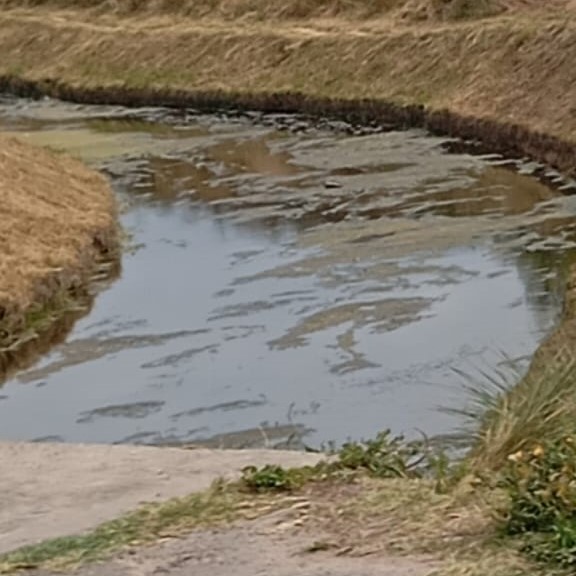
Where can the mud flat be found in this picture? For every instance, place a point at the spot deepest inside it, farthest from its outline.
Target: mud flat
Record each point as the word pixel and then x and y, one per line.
pixel 58 229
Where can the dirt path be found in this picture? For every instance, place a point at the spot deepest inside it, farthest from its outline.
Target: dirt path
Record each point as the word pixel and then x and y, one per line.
pixel 166 24
pixel 53 490
pixel 61 489
pixel 270 546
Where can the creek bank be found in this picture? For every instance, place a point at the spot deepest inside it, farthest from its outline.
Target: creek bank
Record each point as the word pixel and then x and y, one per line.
pixel 481 134
pixel 486 80
pixel 58 230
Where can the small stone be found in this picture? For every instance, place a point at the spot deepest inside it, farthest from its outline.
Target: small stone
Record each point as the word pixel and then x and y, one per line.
pixel 332 184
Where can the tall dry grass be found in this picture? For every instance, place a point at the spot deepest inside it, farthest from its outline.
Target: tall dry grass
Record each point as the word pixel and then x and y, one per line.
pixel 58 218
pixel 281 9
pixel 508 412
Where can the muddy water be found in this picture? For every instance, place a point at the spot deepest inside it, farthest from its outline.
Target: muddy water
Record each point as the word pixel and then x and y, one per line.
pixel 287 283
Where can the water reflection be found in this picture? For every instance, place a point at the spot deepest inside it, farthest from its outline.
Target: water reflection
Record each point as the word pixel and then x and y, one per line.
pixel 290 290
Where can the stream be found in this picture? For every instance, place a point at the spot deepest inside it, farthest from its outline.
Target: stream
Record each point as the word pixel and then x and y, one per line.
pixel 288 283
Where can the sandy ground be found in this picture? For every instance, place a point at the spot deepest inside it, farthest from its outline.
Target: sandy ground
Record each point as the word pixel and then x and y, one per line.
pixel 55 490
pixel 265 547
pixel 59 489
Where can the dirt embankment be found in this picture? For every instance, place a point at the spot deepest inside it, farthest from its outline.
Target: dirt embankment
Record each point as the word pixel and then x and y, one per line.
pixel 58 225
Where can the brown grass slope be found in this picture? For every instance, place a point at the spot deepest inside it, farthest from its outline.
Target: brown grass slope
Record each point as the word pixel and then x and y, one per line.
pixel 298 9
pixel 509 69
pixel 58 220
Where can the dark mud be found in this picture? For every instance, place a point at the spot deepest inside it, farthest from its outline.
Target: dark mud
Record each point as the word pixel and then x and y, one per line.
pixel 509 140
pixel 290 282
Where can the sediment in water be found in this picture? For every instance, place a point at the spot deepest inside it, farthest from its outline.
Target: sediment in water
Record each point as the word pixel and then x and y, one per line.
pixel 508 139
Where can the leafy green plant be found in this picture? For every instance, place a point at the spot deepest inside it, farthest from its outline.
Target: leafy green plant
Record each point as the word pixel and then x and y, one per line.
pixel 446 472
pixel 275 478
pixel 384 456
pixel 541 486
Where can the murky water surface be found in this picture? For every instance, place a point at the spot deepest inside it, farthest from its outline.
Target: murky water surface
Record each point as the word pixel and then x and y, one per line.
pixel 289 283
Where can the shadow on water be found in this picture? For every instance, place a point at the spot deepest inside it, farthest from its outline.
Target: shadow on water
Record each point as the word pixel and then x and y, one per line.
pixel 55 326
pixel 288 289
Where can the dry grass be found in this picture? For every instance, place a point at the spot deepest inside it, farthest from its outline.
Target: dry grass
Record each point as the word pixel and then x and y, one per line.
pixel 294 9
pixel 510 70
pixel 58 218
pixel 509 411
pixel 457 531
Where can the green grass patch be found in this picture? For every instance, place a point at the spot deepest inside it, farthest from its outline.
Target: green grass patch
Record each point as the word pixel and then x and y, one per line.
pixel 385 456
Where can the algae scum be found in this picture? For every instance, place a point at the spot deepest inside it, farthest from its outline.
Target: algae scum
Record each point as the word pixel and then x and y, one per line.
pixel 289 283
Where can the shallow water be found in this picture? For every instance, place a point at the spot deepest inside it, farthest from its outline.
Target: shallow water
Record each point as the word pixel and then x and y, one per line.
pixel 290 283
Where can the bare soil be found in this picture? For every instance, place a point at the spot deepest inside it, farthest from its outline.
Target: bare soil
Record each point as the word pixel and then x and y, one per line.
pixel 53 490
pixel 270 546
pixel 58 219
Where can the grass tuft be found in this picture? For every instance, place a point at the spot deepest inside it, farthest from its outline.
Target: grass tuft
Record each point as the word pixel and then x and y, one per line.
pixel 508 411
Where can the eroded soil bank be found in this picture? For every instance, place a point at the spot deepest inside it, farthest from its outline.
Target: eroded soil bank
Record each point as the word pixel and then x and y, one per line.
pixel 58 228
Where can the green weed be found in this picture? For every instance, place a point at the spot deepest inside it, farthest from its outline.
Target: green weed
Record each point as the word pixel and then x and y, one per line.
pixel 540 482
pixel 276 478
pixel 385 456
